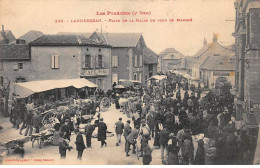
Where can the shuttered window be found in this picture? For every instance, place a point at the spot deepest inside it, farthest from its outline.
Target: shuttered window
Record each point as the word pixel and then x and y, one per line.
pixel 141 60
pixel 87 63
pixel 55 61
pixel 99 61
pixel 115 61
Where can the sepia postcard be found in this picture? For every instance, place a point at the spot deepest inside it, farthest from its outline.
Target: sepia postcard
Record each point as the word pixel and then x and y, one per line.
pixel 131 82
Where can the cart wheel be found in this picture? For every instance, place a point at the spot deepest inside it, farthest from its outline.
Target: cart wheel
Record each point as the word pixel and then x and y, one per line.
pixel 47 117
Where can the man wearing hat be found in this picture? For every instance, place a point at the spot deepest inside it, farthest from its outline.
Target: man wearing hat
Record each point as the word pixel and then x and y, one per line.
pixel 131 139
pixel 88 133
pixel 66 129
pixel 63 146
pixel 102 132
pixel 119 130
pixel 127 131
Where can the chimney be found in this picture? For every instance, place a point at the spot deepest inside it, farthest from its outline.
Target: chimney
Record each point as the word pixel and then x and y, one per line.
pixel 215 37
pixel 205 42
pixel 4 40
pixel 3 32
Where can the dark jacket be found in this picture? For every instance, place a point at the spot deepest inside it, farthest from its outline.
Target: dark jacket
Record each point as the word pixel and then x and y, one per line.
pixel 63 146
pixel 80 145
pixel 102 131
pixel 66 129
pixel 164 137
pixel 119 127
pixel 36 120
pixel 200 154
pixel 127 130
pixel 147 154
pixel 88 129
pixel 28 118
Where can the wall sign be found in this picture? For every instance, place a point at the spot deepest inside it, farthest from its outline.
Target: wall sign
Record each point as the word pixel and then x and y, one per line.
pixel 254 107
pixel 220 73
pixel 96 72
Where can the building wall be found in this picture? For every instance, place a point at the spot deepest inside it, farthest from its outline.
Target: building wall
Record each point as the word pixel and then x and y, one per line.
pixel 138 69
pixel 9 74
pixel 247 35
pixel 69 62
pixel 146 71
pixel 123 62
pixel 106 58
pixel 169 64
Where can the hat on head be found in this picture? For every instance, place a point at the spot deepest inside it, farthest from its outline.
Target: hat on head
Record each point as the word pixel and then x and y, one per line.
pixel 225 109
pixel 171 135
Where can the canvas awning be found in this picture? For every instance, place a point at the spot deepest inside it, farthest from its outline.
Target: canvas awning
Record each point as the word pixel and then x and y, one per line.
pixel 26 89
pixel 126 80
pixel 119 87
pixel 158 77
pixel 187 76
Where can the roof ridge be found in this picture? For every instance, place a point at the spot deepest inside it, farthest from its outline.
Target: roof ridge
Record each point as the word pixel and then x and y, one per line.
pixel 206 49
pixel 224 47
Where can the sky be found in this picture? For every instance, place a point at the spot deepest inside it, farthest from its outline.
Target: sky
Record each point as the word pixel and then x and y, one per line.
pixel 208 17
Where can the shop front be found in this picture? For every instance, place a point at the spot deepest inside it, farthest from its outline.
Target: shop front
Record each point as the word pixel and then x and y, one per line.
pixel 100 77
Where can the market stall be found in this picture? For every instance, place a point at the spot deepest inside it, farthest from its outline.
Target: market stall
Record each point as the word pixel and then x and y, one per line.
pixel 25 89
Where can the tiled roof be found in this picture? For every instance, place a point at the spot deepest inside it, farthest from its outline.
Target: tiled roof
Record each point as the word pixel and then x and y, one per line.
pixel 31 36
pixel 150 57
pixel 212 49
pixel 122 39
pixel 170 53
pixel 218 63
pixel 64 40
pixel 13 52
pixel 173 56
pixel 86 34
pixel 114 39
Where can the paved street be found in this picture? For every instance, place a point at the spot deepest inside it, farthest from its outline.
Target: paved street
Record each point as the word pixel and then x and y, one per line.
pixel 96 155
pixel 111 155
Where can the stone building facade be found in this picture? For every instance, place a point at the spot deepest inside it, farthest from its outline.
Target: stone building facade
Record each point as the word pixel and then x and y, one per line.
pixel 247 53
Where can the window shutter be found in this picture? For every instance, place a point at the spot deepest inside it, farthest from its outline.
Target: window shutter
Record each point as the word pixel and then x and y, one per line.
pixel 52 61
pixel 96 57
pixel 113 60
pixel 91 62
pixel 84 61
pixel 103 61
pixel 57 61
pixel 141 60
pixel 116 61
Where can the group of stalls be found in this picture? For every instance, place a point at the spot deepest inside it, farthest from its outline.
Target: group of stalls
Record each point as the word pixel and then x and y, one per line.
pixel 126 85
pixel 191 80
pixel 56 96
pixel 57 89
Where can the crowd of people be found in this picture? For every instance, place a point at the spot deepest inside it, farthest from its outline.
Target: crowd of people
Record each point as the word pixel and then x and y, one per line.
pixel 172 121
pixel 159 112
